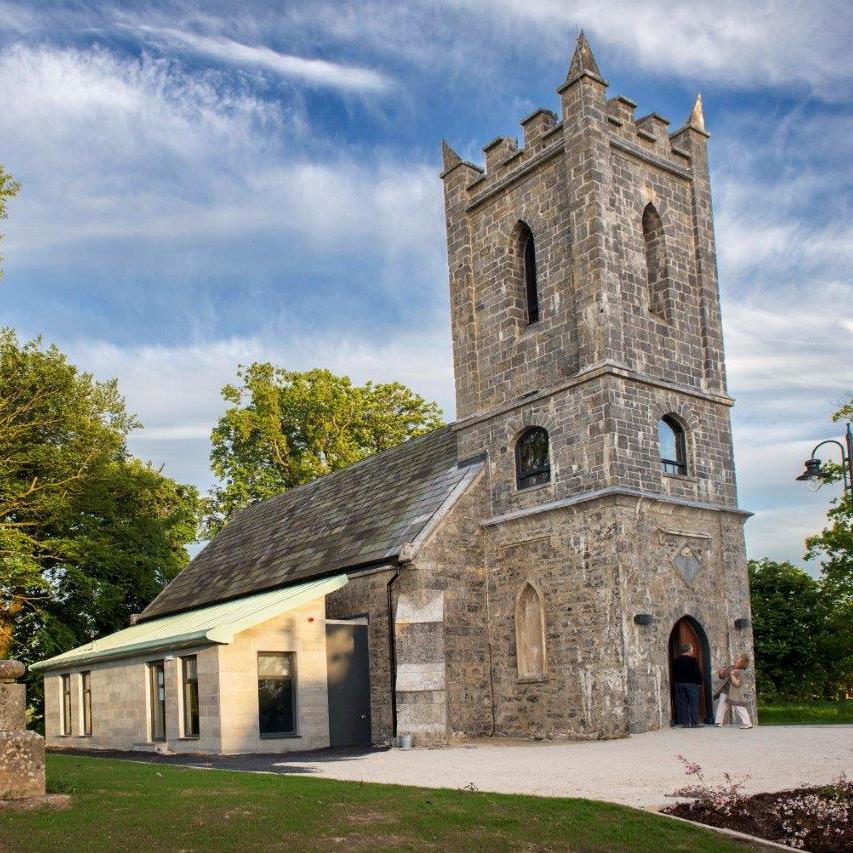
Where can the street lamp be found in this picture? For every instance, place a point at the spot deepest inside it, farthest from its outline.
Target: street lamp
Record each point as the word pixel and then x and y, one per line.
pixel 814 477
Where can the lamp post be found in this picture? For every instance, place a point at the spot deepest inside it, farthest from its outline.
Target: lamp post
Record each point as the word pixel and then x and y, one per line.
pixel 814 477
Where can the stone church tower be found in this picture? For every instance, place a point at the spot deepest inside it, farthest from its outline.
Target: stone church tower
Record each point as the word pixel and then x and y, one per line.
pixel 589 369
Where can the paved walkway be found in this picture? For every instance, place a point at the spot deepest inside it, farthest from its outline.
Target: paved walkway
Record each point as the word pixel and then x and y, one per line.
pixel 636 771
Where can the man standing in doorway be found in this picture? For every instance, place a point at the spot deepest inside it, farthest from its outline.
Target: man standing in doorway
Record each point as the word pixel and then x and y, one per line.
pixel 688 678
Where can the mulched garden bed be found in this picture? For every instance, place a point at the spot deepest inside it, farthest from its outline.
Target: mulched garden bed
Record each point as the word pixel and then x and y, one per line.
pixel 808 825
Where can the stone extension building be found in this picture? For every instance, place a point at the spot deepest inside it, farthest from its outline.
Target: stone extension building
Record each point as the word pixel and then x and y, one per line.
pixel 525 571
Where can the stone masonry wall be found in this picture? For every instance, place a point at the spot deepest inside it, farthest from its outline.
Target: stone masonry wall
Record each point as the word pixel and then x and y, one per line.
pixel 597 565
pixel 449 567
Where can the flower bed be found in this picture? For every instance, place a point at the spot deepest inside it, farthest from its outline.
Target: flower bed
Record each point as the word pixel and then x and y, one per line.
pixel 811 818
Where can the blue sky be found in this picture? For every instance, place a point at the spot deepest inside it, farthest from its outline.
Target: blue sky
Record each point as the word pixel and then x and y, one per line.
pixel 206 184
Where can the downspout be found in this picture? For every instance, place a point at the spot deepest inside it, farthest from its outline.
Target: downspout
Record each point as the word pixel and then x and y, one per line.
pixel 392 654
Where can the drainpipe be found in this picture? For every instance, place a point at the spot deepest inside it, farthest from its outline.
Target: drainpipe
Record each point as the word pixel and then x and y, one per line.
pixel 392 654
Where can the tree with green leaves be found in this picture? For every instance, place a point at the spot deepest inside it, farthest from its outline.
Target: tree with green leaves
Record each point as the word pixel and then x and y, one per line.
pixel 789 619
pixel 88 534
pixel 284 428
pixel 9 188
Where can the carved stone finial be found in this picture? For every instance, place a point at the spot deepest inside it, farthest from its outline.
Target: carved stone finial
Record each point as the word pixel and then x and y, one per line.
pixel 583 62
pixel 697 117
pixel 448 156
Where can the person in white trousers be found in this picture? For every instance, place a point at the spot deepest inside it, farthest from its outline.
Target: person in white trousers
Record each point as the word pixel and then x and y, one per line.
pixel 731 694
pixel 722 695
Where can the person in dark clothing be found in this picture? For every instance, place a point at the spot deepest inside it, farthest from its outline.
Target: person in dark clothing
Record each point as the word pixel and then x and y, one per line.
pixel 688 678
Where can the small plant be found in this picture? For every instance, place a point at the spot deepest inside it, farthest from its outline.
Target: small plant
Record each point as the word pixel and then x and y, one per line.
pixel 727 798
pixel 820 816
pixel 60 786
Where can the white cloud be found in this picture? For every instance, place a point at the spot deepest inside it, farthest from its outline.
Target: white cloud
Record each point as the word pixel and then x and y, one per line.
pixel 316 72
pixel 176 389
pixel 744 45
pixel 118 149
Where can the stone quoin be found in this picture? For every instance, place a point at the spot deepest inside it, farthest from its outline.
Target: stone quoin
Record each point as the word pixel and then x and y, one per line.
pixel 529 569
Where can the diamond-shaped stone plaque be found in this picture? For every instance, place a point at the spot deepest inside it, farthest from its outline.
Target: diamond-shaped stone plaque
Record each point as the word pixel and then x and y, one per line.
pixel 688 564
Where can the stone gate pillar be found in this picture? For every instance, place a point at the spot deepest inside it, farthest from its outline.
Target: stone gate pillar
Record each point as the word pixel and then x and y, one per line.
pixel 21 751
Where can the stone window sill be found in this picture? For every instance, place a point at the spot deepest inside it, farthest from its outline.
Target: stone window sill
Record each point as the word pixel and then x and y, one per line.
pixel 190 737
pixel 531 679
pixel 684 478
pixel 285 736
pixel 528 489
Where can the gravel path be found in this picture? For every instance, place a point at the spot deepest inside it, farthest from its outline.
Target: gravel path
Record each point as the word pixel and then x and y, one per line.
pixel 636 771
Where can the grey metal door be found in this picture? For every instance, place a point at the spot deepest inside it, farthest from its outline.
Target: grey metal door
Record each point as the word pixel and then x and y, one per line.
pixel 349 683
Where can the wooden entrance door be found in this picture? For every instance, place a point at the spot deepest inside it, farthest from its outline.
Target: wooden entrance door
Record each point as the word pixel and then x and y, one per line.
pixel 687 630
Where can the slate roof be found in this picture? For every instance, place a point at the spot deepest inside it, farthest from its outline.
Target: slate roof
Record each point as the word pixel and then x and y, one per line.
pixel 359 515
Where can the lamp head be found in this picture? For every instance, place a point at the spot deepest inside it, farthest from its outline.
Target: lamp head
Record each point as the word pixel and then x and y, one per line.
pixel 812 476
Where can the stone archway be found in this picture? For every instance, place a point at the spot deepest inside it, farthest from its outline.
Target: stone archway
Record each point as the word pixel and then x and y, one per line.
pixel 689 630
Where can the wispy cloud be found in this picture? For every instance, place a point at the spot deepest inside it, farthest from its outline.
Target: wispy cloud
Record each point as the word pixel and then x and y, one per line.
pixel 314 72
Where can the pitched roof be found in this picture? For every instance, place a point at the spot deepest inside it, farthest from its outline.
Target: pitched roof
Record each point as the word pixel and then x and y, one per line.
pixel 362 514
pixel 215 624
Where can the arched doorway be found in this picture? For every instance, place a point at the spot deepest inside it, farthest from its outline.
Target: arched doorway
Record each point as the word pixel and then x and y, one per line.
pixel 688 630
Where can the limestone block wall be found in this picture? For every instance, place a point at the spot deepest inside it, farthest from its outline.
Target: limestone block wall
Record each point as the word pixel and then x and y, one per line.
pixel 302 631
pixel 228 694
pixel 121 713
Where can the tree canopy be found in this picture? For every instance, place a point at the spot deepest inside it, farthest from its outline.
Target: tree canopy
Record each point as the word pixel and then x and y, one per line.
pixel 284 428
pixel 803 626
pixel 9 188
pixel 88 534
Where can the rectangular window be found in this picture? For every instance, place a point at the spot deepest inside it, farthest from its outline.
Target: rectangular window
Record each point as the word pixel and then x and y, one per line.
pixel 86 684
pixel 157 694
pixel 276 693
pixel 190 679
pixel 66 704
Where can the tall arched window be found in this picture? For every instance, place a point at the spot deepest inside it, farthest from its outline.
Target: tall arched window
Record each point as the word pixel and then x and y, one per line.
pixel 657 274
pixel 532 465
pixel 530 633
pixel 531 290
pixel 673 446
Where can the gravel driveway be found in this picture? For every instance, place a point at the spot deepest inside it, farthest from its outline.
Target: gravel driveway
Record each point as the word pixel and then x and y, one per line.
pixel 636 771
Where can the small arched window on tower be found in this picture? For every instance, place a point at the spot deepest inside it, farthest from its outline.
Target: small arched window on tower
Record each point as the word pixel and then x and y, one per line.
pixel 673 446
pixel 528 255
pixel 532 465
pixel 530 633
pixel 657 275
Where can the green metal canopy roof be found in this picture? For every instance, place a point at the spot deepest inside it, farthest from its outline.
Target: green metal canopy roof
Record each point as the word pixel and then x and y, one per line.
pixel 217 623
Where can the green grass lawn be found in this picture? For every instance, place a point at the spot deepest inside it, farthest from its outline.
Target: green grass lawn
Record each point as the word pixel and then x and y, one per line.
pixel 120 805
pixel 819 712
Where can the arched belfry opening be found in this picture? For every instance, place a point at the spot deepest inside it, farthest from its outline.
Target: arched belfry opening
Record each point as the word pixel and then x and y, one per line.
pixel 526 252
pixel 657 268
pixel 689 630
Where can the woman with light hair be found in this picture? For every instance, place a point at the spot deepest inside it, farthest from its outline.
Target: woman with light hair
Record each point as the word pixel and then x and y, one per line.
pixel 731 693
